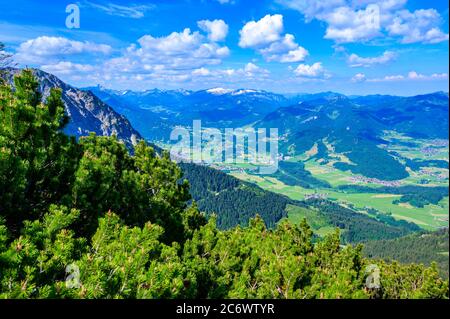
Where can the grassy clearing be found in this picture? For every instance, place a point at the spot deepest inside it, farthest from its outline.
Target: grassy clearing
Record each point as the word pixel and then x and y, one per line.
pixel 318 224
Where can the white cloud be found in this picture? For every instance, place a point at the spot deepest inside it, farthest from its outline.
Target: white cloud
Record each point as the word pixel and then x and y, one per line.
pixel 265 36
pixel 387 78
pixel 411 76
pixel 217 29
pixel 347 25
pixel 175 58
pixel 417 26
pixel 285 51
pixel 250 70
pixel 439 76
pixel 44 49
pixel 355 60
pixel 315 70
pixel 178 49
pixel 255 34
pixel 66 68
pixel 359 77
pixel 363 20
pixel 130 11
pixel 201 72
pixel 346 21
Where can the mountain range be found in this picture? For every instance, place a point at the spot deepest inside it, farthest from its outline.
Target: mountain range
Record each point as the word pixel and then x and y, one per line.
pixel 346 130
pixel 155 112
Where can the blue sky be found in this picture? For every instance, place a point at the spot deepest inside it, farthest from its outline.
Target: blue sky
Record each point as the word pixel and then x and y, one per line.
pixel 288 46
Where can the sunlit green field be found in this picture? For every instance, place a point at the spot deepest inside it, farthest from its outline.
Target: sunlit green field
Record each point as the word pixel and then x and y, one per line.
pixel 318 224
pixel 429 217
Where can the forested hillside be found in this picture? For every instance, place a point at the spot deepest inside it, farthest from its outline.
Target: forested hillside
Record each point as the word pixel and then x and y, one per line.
pixel 118 223
pixel 233 201
pixel 354 127
pixel 357 227
pixel 424 248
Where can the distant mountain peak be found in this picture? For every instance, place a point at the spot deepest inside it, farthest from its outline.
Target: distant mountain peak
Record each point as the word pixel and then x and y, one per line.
pixel 219 91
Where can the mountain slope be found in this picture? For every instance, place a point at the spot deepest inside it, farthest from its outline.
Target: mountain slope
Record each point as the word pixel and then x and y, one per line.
pixel 348 132
pixel 86 111
pixel 415 248
pixel 421 116
pixel 232 200
pixel 154 113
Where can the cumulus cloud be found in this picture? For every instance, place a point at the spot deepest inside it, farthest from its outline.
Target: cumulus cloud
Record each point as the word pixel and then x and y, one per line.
pixel 250 70
pixel 248 75
pixel 265 36
pixel 201 72
pixel 184 49
pixel 355 60
pixel 315 70
pixel 346 21
pixel 44 48
pixel 258 33
pixel 171 58
pixel 347 25
pixel 413 75
pixel 362 20
pixel 359 77
pixel 383 4
pixel 284 51
pixel 175 58
pixel 417 26
pixel 217 29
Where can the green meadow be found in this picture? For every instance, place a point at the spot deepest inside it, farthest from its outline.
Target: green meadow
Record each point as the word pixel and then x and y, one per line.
pixel 429 217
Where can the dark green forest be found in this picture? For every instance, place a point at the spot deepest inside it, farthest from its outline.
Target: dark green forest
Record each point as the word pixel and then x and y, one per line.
pixel 420 247
pixel 370 160
pixel 123 226
pixel 233 201
pixel 295 174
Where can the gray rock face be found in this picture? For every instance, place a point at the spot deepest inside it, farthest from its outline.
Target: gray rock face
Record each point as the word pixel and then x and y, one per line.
pixel 87 112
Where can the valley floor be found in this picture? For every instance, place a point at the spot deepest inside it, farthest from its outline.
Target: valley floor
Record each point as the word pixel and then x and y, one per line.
pixel 429 217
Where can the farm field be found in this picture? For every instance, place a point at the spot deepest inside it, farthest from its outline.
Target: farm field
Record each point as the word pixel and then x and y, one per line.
pixel 404 148
pixel 430 217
